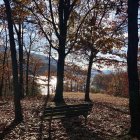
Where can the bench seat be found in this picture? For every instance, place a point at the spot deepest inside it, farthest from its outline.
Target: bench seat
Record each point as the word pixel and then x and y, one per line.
pixel 67 111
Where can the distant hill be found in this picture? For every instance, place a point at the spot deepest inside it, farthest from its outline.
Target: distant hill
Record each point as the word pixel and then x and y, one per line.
pixel 45 61
pixel 53 67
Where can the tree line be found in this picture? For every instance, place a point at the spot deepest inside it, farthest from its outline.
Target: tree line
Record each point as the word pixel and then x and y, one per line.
pixel 114 83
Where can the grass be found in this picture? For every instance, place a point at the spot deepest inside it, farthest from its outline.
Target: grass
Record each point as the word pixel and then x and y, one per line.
pixel 104 98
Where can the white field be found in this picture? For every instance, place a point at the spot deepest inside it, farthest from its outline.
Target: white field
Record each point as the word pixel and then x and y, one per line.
pixel 43 82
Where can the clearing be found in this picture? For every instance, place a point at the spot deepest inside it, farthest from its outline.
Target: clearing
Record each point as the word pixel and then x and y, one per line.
pixel 108 120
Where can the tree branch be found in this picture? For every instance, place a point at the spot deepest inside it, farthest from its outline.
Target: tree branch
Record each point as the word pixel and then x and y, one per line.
pixel 53 23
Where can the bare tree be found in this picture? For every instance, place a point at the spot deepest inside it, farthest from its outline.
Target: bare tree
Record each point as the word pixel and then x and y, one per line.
pixel 132 55
pixel 17 104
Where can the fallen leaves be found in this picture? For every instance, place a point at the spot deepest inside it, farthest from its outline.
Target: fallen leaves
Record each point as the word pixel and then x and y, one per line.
pixel 108 120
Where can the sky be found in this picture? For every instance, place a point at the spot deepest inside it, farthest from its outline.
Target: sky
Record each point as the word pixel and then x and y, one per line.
pixel 1 1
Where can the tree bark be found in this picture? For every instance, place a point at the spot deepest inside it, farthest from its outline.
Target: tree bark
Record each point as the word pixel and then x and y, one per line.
pixel 3 68
pixel 49 71
pixel 63 18
pixel 27 68
pixel 87 90
pixel 19 34
pixel 71 85
pixel 8 75
pixel 60 77
pixel 33 86
pixel 134 95
pixel 17 104
pixel 27 73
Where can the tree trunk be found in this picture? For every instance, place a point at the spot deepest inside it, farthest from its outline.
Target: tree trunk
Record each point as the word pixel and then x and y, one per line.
pixel 60 77
pixel 19 33
pixel 27 73
pixel 49 71
pixel 9 74
pixel 3 68
pixel 87 90
pixel 77 87
pixel 33 86
pixel 134 95
pixel 17 104
pixel 63 12
pixel 71 85
pixel 5 89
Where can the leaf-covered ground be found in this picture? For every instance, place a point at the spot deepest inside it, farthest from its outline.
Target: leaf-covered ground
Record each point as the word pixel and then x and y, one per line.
pixel 108 120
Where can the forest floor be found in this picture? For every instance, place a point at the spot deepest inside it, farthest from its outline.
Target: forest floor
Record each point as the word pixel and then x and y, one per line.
pixel 108 120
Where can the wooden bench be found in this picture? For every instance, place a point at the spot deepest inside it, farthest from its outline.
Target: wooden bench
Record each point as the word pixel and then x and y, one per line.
pixel 67 111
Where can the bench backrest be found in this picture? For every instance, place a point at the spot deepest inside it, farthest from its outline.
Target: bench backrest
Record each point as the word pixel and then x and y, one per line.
pixel 67 110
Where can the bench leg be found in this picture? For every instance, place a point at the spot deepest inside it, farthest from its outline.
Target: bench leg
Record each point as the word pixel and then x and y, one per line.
pixel 85 119
pixel 50 129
